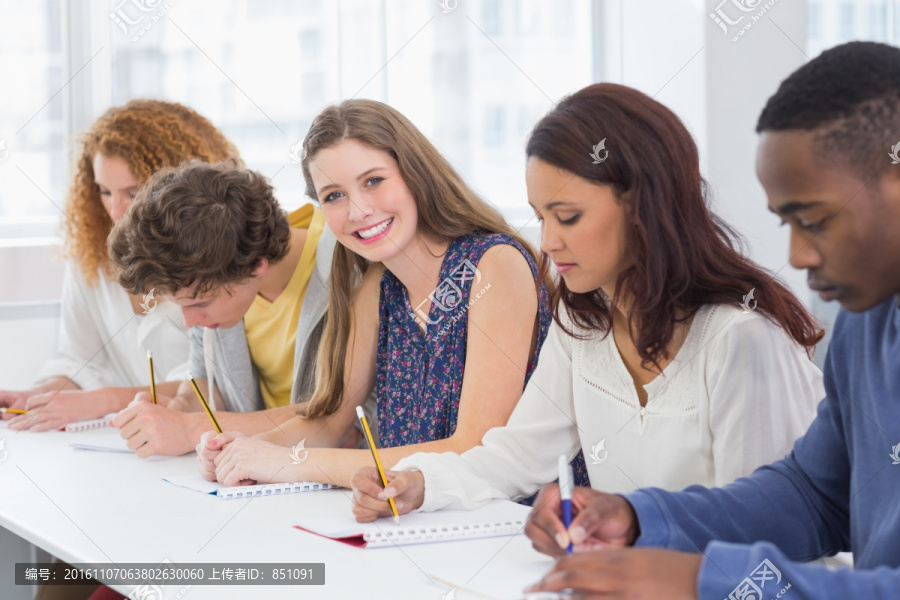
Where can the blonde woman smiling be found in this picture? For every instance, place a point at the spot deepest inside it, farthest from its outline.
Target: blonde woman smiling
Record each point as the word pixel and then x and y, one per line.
pixel 416 245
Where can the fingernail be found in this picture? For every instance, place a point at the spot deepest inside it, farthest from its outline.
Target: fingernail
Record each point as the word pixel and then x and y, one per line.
pixel 390 492
pixel 398 504
pixel 381 496
pixel 578 534
pixel 562 540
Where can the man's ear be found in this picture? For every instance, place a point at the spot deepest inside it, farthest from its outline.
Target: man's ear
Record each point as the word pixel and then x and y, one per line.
pixel 262 268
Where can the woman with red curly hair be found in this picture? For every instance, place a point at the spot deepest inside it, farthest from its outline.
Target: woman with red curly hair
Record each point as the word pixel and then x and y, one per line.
pixel 104 331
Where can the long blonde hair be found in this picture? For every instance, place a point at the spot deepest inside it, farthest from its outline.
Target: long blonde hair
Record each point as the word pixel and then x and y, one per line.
pixel 447 209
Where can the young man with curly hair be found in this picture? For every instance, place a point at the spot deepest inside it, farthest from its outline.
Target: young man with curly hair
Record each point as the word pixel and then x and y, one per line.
pixel 252 284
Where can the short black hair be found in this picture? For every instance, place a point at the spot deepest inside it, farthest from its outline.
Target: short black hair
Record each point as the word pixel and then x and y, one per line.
pixel 850 96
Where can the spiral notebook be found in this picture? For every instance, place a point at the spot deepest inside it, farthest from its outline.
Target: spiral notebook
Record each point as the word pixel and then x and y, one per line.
pixel 114 444
pixel 88 425
pixel 497 518
pixel 198 484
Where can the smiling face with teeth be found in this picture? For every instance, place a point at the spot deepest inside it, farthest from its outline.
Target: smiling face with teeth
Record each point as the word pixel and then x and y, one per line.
pixel 366 202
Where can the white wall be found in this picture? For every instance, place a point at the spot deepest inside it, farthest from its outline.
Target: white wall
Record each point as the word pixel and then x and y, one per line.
pixel 28 335
pixel 676 53
pixel 740 77
pixel 658 48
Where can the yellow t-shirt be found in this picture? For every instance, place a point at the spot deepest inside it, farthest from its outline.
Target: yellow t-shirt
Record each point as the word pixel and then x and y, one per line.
pixel 271 327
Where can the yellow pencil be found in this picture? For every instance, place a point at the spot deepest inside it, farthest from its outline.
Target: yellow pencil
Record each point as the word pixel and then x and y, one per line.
pixel 384 481
pixel 152 377
pixel 13 411
pixel 205 405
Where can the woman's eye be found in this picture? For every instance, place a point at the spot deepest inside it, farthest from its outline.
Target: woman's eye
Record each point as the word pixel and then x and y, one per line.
pixel 570 221
pixel 332 196
pixel 104 192
pixel 374 180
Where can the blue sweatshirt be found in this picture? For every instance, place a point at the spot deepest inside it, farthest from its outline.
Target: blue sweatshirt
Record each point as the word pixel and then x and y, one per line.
pixel 838 490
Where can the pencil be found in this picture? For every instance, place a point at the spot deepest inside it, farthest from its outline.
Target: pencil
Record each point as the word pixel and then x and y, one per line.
pixel 13 411
pixel 152 378
pixel 384 481
pixel 209 412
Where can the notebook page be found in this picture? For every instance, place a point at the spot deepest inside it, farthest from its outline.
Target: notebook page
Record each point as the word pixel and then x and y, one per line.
pixel 87 425
pixel 499 517
pixel 198 484
pixel 112 445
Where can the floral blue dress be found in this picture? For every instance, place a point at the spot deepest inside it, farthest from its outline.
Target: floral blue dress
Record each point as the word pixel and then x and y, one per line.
pixel 419 375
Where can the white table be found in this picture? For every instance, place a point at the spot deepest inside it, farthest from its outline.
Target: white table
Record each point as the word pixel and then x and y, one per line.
pixel 96 507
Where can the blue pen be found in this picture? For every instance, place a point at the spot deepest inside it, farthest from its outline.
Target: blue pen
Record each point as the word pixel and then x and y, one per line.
pixel 566 486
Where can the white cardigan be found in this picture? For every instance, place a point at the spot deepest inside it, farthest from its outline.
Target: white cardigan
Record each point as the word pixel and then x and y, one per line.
pixel 103 343
pixel 736 396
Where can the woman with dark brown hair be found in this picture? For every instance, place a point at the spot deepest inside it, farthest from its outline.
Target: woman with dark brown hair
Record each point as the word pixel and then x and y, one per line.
pixel 660 364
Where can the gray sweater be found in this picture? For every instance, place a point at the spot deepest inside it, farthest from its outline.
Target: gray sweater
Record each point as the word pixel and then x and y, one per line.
pixel 234 373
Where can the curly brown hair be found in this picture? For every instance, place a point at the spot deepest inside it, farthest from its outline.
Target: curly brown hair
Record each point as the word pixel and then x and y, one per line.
pixel 198 227
pixel 148 135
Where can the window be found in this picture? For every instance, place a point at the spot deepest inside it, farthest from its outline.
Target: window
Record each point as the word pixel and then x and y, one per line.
pixel 490 16
pixel 494 129
pixel 474 76
pixel 846 25
pixel 451 73
pixel 33 140
pixel 877 21
pixel 310 45
pixel 814 22
pixel 833 22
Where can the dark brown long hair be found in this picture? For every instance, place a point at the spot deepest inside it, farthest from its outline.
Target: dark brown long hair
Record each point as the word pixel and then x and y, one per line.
pixel 681 255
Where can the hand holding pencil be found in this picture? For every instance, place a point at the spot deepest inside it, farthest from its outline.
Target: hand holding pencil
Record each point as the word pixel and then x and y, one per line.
pixel 370 495
pixel 371 487
pixel 371 441
pixel 12 401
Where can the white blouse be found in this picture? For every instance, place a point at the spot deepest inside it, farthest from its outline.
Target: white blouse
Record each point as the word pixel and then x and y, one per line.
pixel 103 343
pixel 736 396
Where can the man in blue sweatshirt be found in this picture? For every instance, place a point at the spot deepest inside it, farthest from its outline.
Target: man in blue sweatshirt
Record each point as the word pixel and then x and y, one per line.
pixel 829 160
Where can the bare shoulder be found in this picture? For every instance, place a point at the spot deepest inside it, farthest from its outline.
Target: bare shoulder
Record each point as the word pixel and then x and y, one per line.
pixel 505 291
pixel 505 264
